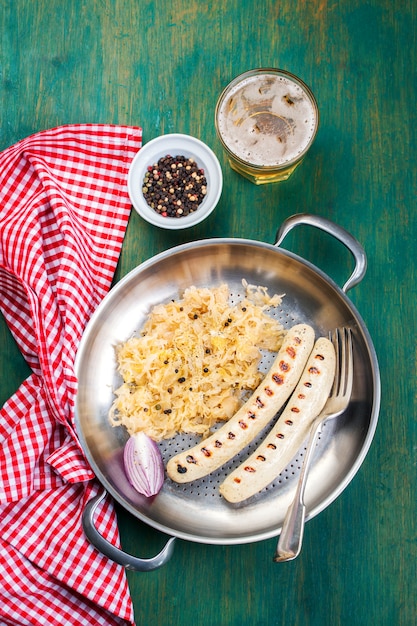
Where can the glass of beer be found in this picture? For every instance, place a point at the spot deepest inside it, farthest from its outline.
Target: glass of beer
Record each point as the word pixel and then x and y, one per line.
pixel 266 120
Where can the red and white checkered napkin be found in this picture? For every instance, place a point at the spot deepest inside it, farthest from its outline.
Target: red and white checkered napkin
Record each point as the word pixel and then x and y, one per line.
pixel 64 209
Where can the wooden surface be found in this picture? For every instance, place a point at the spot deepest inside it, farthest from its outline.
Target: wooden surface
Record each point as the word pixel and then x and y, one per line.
pixel 161 65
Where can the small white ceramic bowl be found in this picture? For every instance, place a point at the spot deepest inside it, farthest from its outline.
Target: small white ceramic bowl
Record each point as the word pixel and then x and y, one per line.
pixel 175 144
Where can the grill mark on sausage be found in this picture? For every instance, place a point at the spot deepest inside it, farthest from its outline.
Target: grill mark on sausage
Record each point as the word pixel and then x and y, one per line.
pixel 291 352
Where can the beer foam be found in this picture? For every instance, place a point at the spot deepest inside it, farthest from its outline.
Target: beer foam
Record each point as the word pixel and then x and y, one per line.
pixel 267 120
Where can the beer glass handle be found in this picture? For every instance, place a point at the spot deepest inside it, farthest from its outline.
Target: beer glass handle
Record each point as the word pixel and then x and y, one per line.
pixel 336 231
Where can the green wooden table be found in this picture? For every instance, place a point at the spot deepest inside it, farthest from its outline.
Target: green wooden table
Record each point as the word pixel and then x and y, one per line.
pixel 162 65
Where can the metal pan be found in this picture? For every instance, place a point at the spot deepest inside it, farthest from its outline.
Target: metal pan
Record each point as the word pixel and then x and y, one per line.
pixel 196 511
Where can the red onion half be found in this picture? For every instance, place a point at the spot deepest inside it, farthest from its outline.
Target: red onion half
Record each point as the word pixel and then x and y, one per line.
pixel 143 464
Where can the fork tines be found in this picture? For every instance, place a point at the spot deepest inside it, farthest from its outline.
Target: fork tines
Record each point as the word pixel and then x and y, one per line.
pixel 343 345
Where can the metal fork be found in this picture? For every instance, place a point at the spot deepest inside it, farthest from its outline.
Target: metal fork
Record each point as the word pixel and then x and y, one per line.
pixel 291 537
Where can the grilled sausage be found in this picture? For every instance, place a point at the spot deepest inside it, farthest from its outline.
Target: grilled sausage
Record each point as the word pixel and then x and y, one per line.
pixel 285 438
pixel 253 416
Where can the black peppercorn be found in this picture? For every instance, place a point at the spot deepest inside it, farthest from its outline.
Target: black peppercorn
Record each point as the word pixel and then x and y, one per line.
pixel 174 186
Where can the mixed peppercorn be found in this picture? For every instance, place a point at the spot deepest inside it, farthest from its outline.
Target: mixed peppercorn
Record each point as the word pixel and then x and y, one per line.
pixel 174 186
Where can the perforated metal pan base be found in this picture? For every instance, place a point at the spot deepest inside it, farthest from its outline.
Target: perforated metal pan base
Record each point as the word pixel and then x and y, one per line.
pixel 196 511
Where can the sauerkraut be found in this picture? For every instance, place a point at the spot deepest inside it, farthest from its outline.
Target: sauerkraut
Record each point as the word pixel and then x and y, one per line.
pixel 194 360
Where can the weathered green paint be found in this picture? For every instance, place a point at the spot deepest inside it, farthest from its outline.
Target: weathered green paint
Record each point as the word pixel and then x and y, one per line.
pixel 162 64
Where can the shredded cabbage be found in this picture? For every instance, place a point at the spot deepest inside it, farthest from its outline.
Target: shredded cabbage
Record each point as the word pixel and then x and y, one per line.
pixel 194 360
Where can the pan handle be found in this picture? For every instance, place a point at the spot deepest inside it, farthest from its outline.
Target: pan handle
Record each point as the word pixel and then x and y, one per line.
pixel 336 231
pixel 129 561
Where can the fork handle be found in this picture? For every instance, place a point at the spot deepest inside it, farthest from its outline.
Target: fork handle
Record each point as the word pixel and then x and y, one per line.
pixel 291 537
